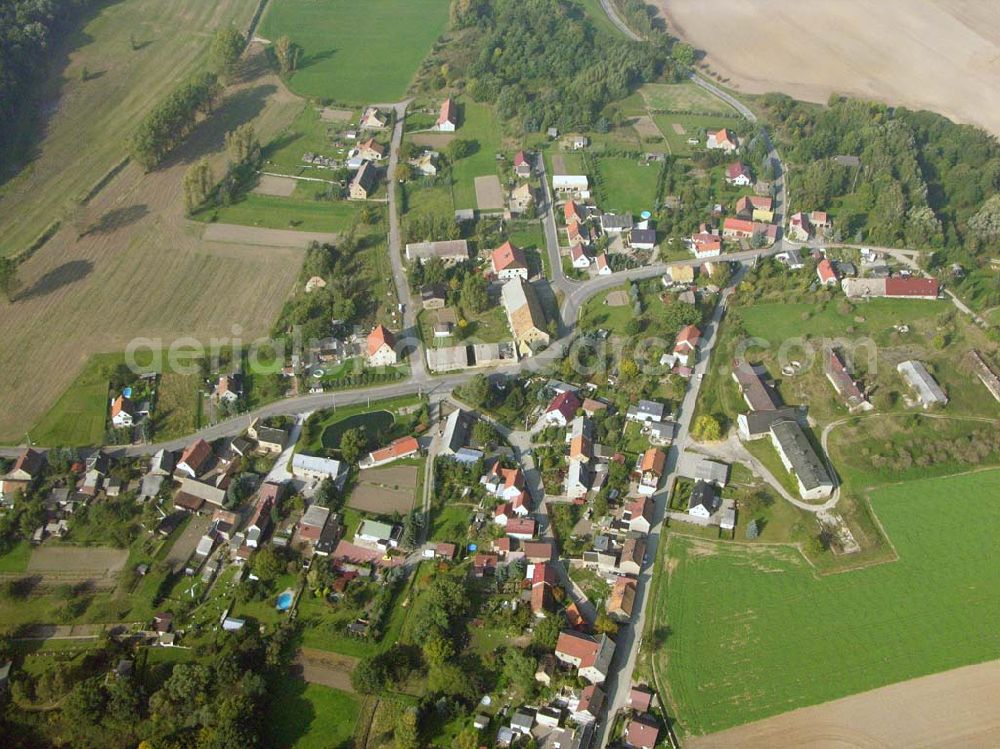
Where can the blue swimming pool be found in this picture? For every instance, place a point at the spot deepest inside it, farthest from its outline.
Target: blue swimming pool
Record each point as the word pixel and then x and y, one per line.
pixel 285 600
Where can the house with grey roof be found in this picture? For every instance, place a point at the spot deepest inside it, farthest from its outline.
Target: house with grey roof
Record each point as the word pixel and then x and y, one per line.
pixel 915 374
pixel 801 460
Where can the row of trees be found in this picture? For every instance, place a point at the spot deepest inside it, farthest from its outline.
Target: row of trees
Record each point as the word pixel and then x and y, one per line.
pixel 170 122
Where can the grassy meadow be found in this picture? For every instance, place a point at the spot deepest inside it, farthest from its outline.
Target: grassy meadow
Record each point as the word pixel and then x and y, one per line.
pixel 682 97
pixel 752 632
pixel 310 716
pixel 356 51
pixel 627 184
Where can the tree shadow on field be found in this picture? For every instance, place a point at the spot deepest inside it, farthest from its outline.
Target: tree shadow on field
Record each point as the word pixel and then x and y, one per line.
pixel 116 219
pixel 306 60
pixel 209 136
pixel 56 278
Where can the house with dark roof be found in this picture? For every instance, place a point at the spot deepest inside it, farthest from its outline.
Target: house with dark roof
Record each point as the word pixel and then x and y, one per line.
pixel 363 183
pixel 800 458
pixel 704 502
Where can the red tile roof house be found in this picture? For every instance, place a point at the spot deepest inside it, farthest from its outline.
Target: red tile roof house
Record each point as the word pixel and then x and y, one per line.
pixel 445 551
pixel 603 269
pixel 746 205
pixel 724 140
pixel 572 213
pixel 826 273
pixel 574 618
pixel 639 515
pixel 20 478
pixel 522 167
pixel 640 699
pixel 447 120
pixel 578 234
pixel 543 580
pixel 521 528
pixel 589 708
pixel 651 467
pixel 687 343
pixel 590 656
pixel 195 459
pixel 122 412
pixel 509 262
pixel 562 410
pixel 912 288
pixel 381 348
pixel 404 447
pixel 507 484
pixel 538 551
pixel 579 256
pixel 735 228
pixel 484 564
pixel 845 385
pixel 641 732
pixel 738 174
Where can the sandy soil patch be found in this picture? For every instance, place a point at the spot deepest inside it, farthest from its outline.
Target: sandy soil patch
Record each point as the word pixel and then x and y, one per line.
pixel 328 114
pixel 617 298
pixel 956 708
pixel 255 235
pixel 383 491
pixel 432 140
pixel 646 128
pixel 489 193
pixel 320 667
pixel 95 560
pixel 942 55
pixel 281 187
pixel 130 264
pixel 678 128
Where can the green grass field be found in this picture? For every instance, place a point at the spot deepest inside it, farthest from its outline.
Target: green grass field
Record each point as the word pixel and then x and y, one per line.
pixel 742 634
pixel 478 123
pixel 779 322
pixel 308 132
pixel 682 97
pixel 627 184
pixel 79 416
pixel 357 51
pixel 16 560
pixel 309 716
pixel 272 212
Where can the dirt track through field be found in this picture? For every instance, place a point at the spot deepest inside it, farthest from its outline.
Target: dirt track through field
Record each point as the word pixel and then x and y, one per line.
pixel 131 265
pixel 958 708
pixel 942 55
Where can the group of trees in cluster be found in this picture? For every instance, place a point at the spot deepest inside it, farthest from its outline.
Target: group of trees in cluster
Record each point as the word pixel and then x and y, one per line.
pixel 544 64
pixel 346 297
pixel 923 181
pixel 465 286
pixel 244 151
pixel 215 702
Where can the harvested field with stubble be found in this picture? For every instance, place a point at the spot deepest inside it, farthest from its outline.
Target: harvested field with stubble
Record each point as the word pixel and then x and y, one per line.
pixel 952 710
pixel 942 55
pixel 131 266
